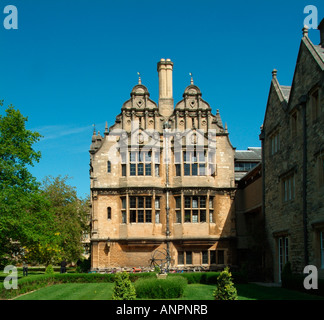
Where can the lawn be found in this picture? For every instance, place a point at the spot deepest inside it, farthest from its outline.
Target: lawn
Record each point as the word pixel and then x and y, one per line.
pixel 103 291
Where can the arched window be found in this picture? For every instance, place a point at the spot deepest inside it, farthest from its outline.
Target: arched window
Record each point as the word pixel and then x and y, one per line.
pixel 109 166
pixel 109 213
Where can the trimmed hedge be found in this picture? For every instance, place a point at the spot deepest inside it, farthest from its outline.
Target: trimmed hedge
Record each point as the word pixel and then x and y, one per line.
pixel 35 282
pixel 209 277
pixel 154 288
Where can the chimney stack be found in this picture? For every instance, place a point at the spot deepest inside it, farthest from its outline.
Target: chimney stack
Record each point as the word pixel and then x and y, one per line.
pixel 165 68
pixel 321 29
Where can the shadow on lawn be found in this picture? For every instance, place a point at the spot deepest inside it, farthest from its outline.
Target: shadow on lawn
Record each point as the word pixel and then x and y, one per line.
pixel 253 291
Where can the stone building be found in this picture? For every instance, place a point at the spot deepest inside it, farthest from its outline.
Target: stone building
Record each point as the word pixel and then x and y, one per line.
pixel 293 163
pixel 246 160
pixel 162 183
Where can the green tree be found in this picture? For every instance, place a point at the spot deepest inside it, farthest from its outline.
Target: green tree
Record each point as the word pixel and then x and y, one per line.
pixel 25 218
pixel 225 289
pixel 71 216
pixel 124 289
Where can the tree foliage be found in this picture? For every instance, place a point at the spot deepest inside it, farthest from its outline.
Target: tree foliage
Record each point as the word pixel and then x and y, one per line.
pixel 24 212
pixel 124 289
pixel 43 223
pixel 71 216
pixel 225 289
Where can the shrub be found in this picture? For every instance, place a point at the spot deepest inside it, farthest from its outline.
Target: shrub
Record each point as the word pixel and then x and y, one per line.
pixel 225 289
pixel 153 288
pixel 84 265
pixel 124 289
pixel 49 269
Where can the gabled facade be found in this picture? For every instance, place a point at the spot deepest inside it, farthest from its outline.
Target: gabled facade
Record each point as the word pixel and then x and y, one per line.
pixel 162 181
pixel 293 159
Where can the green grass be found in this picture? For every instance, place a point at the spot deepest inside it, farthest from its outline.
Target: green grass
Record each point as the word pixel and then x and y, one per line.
pixel 103 291
pixel 72 291
pixel 253 291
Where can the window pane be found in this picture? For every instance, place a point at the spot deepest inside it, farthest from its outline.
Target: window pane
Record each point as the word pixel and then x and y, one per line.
pixel 148 202
pixel 133 169
pixel 123 217
pixel 201 156
pixel 109 166
pixel 195 216
pixel 211 202
pixel 194 168
pixel 133 156
pixel 123 170
pixel 204 257
pixel 202 215
pixel 157 170
pixel 148 216
pixel 177 157
pixel 202 202
pixel 188 257
pixel 186 169
pixel 195 202
pixel 178 170
pixel 178 216
pixel 157 216
pixel 132 202
pixel 132 216
pixel 211 213
pixel 178 202
pixel 140 202
pixel 124 203
pixel 148 156
pixel 109 213
pixel 123 157
pixel 187 216
pixel 157 203
pixel 148 169
pixel 212 256
pixel 220 256
pixel 180 257
pixel 140 169
pixel 202 169
pixel 157 157
pixel 140 216
pixel 187 202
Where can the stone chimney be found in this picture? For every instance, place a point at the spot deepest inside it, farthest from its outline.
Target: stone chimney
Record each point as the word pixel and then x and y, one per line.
pixel 165 68
pixel 321 29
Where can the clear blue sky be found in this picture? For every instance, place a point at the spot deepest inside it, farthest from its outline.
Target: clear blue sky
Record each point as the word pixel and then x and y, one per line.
pixel 73 63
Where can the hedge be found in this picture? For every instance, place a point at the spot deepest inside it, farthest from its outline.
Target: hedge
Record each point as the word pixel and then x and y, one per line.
pixel 35 282
pixel 154 288
pixel 209 277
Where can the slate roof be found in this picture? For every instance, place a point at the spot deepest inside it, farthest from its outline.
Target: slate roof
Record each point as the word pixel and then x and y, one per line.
pixel 251 154
pixel 320 51
pixel 285 91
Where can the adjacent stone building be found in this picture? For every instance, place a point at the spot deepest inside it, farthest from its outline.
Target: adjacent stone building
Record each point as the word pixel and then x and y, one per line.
pixel 163 184
pixel 293 163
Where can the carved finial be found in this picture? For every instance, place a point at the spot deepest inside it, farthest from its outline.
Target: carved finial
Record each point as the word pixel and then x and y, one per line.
pixel 139 78
pixel 106 128
pixel 191 78
pixel 305 31
pixel 274 73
